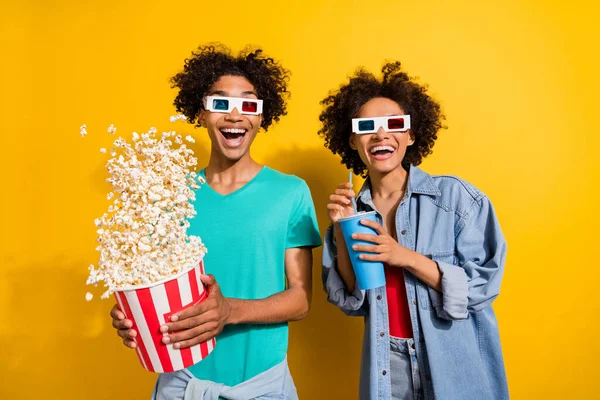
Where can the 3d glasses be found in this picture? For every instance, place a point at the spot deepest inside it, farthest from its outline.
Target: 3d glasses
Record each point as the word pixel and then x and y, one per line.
pixel 392 123
pixel 227 104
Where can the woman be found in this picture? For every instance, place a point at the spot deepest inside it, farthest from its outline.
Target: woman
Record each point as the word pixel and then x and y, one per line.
pixel 431 331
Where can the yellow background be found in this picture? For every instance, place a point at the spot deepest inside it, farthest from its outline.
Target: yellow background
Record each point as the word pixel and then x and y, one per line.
pixel 517 80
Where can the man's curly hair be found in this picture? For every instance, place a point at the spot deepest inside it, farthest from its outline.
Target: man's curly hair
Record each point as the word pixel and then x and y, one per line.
pixel 213 61
pixel 343 105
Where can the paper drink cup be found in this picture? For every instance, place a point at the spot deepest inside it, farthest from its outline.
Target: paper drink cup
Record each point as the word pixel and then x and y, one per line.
pixel 150 306
pixel 369 274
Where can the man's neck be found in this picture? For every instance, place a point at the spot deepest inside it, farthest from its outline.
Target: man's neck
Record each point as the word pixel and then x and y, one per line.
pixel 225 172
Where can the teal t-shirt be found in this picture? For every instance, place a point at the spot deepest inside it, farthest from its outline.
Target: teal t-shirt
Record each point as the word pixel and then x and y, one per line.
pixel 246 233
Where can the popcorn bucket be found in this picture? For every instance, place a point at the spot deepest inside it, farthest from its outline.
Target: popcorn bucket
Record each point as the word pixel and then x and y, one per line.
pixel 150 306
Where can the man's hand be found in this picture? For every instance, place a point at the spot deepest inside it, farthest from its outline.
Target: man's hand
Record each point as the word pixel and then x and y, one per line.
pixel 123 327
pixel 200 322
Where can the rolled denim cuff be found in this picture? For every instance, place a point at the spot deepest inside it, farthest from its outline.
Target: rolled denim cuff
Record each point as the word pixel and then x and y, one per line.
pixel 339 295
pixel 452 302
pixel 350 303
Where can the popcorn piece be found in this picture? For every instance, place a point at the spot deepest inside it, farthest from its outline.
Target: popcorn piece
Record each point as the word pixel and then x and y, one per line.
pixel 178 117
pixel 103 150
pixel 112 130
pixel 190 139
pixel 83 130
pixel 88 296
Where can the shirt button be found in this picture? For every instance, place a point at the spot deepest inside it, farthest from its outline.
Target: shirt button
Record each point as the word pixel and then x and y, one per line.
pixel 382 334
pixel 384 372
pixel 403 231
pixel 379 297
pixel 415 302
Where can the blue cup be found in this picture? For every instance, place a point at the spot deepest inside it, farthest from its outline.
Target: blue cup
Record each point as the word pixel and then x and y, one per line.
pixel 369 274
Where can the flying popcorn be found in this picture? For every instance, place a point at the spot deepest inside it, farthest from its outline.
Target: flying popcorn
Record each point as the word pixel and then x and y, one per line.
pixel 178 117
pixel 142 239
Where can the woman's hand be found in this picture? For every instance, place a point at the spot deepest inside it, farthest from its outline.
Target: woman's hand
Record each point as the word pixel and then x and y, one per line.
pixel 340 203
pixel 384 249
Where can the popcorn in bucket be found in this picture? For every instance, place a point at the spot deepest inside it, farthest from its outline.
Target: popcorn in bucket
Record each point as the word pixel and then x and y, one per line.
pixel 150 306
pixel 146 258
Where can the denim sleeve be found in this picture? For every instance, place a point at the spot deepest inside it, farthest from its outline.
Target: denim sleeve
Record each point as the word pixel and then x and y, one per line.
pixel 354 303
pixel 474 283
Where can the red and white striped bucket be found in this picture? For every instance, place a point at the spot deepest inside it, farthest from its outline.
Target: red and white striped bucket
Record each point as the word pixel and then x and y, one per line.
pixel 150 306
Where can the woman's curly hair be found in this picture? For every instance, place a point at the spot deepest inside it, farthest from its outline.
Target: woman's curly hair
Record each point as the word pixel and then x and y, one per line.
pixel 213 61
pixel 343 105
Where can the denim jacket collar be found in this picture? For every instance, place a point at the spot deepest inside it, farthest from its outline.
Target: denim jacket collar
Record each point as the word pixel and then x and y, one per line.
pixel 419 182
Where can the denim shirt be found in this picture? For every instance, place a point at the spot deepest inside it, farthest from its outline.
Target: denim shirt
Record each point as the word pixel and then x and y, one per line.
pixel 455 331
pixel 274 383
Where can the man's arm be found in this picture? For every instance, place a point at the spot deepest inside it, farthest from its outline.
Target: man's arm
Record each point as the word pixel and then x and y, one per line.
pixel 204 321
pixel 292 304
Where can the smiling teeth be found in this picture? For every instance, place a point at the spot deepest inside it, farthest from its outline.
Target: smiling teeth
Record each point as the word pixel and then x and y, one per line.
pixel 231 130
pixel 379 148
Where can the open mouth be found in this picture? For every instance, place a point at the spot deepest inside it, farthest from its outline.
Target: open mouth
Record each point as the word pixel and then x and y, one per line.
pixel 382 152
pixel 233 136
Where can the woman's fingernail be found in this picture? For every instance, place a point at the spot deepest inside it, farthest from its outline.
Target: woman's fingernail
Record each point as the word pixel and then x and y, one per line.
pixel 164 328
pixel 166 339
pixel 128 324
pixel 354 247
pixel 354 236
pixel 174 318
pixel 177 345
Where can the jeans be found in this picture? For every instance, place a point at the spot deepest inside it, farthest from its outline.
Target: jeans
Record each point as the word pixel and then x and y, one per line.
pixel 405 374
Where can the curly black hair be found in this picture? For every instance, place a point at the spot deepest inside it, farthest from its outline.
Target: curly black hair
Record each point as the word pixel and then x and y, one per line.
pixel 210 62
pixel 344 104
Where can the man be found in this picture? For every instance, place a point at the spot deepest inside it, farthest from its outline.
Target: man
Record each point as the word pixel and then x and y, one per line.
pixel 259 226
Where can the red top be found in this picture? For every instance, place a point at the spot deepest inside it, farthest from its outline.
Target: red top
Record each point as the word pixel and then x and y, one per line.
pixel 399 314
